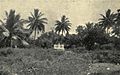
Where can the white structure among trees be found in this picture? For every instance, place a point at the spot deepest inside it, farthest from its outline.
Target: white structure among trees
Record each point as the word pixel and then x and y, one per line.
pixel 59 46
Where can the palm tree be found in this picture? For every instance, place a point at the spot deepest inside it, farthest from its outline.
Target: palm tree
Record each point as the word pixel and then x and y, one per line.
pixel 63 25
pixel 107 20
pixel 12 22
pixel 37 22
pixel 116 27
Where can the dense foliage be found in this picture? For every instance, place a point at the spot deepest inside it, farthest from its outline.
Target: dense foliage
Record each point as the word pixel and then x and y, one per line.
pixel 91 35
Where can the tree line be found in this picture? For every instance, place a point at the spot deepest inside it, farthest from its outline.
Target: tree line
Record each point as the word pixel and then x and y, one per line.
pixel 91 35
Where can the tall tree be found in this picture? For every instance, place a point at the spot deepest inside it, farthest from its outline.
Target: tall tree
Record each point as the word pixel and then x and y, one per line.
pixel 107 20
pixel 90 34
pixel 80 29
pixel 37 22
pixel 63 25
pixel 84 30
pixel 116 27
pixel 9 26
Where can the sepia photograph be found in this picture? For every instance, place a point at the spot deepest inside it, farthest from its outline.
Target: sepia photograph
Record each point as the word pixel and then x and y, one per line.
pixel 59 37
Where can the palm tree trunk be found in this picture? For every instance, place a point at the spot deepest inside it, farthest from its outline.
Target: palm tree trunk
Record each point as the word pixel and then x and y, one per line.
pixel 34 37
pixel 67 33
pixel 62 37
pixel 11 43
pixel 10 40
pixel 62 33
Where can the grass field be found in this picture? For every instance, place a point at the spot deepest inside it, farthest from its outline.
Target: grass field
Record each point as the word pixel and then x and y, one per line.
pixel 50 62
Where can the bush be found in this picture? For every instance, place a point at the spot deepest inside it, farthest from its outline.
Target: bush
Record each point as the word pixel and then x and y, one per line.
pixel 109 46
pixel 5 52
pixel 107 73
pixel 106 57
pixel 78 49
pixel 4 73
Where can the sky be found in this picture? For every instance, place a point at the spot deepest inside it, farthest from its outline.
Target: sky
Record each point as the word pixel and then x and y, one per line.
pixel 79 12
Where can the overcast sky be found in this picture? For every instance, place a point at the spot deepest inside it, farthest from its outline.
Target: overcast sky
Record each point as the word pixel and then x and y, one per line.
pixel 78 11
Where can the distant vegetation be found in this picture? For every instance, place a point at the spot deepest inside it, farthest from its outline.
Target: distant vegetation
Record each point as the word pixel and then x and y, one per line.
pixel 105 32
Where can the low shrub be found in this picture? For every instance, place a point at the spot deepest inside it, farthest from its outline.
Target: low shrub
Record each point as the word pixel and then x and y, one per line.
pixel 107 73
pixel 4 73
pixel 109 46
pixel 5 52
pixel 78 49
pixel 106 57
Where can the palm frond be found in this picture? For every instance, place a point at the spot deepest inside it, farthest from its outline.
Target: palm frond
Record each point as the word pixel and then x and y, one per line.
pixel 17 18
pixel 2 22
pixel 32 15
pixel 30 19
pixel 36 11
pixel 41 27
pixel 44 22
pixel 108 12
pixel 6 14
pixel 44 19
pixel 40 14
pixel 103 16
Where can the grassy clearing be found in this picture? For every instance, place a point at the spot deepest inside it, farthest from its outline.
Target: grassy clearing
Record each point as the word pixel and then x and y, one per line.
pixel 44 62
pixel 104 68
pixel 49 62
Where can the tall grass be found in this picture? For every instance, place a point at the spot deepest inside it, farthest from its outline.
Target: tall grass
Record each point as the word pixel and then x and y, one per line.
pixel 44 62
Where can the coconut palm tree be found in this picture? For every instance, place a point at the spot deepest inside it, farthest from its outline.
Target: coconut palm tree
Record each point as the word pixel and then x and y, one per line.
pixel 37 22
pixel 9 26
pixel 116 27
pixel 107 20
pixel 63 25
